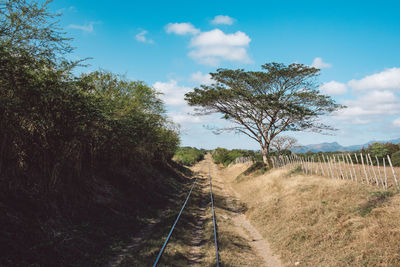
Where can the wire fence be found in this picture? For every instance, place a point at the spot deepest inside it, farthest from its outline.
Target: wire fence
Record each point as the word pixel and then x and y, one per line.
pixel 357 167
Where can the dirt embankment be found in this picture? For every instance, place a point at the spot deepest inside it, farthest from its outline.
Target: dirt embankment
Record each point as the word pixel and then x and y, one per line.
pixel 192 242
pixel 317 221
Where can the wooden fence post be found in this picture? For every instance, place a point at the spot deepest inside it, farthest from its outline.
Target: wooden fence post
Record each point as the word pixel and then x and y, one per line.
pixel 335 167
pixel 326 165
pixel 379 172
pixel 316 166
pixel 394 173
pixel 365 171
pixel 373 170
pixel 346 173
pixel 301 163
pixel 368 166
pixel 384 171
pixel 306 165
pixel 359 169
pixel 329 166
pixel 340 167
pixel 352 166
pixel 320 165
pixel 348 164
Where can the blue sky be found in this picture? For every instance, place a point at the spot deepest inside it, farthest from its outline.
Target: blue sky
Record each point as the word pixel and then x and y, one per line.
pixel 173 45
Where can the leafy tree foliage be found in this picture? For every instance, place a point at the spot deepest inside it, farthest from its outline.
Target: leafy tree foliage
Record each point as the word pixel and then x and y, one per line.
pixel 189 155
pixel 61 134
pixel 263 104
pixel 378 149
pixel 396 159
pixel 52 121
pixel 225 157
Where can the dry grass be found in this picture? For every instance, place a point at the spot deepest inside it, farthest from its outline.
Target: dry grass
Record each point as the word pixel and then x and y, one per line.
pixel 233 241
pixel 234 249
pixel 316 221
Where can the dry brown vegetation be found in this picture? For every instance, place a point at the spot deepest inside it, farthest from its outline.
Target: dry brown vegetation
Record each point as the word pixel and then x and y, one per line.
pixel 316 221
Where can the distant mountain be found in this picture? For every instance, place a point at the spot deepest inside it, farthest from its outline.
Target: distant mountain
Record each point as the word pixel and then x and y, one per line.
pixel 335 146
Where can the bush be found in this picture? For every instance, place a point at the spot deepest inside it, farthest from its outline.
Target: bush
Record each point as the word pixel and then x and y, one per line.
pixel 189 155
pixel 256 166
pixel 225 157
pixel 396 159
pixel 74 149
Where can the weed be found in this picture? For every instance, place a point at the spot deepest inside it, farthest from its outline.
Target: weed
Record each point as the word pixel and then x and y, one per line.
pixel 257 168
pixel 295 171
pixel 376 199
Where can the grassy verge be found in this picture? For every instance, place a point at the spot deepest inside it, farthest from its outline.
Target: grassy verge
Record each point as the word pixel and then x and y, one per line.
pixel 315 221
pixel 179 249
pixel 98 226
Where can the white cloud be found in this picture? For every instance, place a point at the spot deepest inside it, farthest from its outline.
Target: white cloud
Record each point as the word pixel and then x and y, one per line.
pixel 388 79
pixel 319 64
pixel 217 37
pixel 173 94
pixel 183 117
pixel 221 19
pixel 213 46
pixel 141 37
pixel 66 9
pixel 181 28
pixel 376 99
pixel 201 78
pixel 333 88
pixel 374 106
pixel 88 28
pixel 396 122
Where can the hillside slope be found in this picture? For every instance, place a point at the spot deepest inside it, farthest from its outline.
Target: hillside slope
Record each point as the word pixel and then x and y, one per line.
pixel 315 221
pixel 88 229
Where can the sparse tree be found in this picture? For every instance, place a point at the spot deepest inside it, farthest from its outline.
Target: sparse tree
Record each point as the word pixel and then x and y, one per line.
pixel 282 143
pixel 263 104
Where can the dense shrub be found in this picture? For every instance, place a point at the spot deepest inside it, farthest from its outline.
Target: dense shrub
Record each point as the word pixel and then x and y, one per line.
pixel 396 159
pixel 189 155
pixel 74 150
pixel 225 157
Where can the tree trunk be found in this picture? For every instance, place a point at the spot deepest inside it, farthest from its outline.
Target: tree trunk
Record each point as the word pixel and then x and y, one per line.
pixel 266 159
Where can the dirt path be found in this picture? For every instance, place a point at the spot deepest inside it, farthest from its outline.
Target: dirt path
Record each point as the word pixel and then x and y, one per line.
pixel 241 243
pixel 196 254
pixel 243 226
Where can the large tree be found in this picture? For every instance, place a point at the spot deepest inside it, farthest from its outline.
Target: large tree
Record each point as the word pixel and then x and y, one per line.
pixel 263 104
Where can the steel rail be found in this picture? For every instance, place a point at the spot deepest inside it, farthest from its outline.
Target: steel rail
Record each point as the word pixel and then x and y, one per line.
pixel 173 226
pixel 213 216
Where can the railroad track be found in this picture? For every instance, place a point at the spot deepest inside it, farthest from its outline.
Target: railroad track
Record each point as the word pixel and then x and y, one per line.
pixel 159 256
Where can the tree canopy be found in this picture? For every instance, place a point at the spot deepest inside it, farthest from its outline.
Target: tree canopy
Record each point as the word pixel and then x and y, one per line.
pixel 262 104
pixel 68 140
